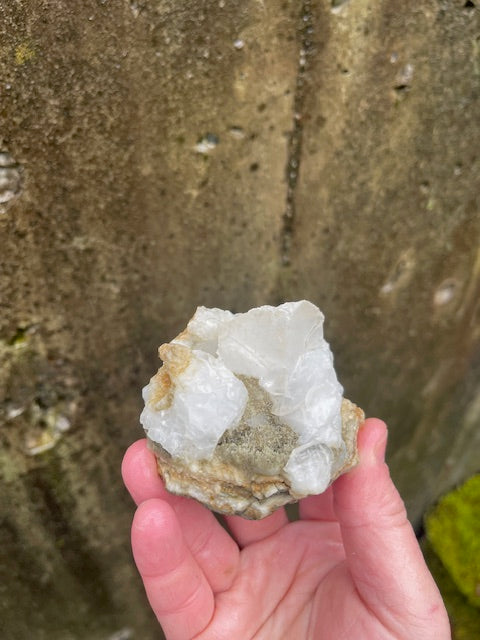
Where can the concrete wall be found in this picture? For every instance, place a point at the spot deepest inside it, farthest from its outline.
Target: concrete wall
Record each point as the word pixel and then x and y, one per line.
pixel 156 155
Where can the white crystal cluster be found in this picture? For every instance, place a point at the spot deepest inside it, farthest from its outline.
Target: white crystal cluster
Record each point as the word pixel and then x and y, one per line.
pixel 284 349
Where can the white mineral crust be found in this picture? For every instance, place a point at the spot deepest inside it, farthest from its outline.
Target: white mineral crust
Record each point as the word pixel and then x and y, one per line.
pixel 284 350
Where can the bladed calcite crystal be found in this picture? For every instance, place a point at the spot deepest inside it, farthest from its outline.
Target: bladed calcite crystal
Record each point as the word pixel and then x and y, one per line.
pixel 246 414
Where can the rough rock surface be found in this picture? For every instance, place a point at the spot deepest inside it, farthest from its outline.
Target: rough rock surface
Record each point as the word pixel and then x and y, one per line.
pixel 246 412
pixel 226 483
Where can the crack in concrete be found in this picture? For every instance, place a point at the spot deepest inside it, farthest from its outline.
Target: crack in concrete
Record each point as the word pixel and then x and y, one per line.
pixel 294 153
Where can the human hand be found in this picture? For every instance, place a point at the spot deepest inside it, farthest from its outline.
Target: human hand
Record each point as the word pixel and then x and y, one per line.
pixel 350 568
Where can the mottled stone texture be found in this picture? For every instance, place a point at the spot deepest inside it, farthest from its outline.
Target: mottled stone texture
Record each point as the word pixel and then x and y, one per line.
pixel 344 168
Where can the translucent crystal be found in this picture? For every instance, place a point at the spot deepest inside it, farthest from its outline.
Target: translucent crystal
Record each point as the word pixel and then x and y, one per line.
pixel 208 399
pixel 309 468
pixel 248 396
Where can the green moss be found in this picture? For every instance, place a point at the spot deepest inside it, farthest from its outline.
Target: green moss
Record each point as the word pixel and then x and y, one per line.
pixel 24 53
pixel 19 338
pixel 453 529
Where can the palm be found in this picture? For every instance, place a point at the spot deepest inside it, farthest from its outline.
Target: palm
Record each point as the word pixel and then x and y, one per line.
pixel 296 584
pixel 284 582
pixel 349 568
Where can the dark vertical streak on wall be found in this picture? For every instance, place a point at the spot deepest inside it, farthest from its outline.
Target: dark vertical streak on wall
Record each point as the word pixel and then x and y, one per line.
pixel 306 50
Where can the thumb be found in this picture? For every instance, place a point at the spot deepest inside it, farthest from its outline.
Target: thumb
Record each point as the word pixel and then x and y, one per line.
pixel 383 556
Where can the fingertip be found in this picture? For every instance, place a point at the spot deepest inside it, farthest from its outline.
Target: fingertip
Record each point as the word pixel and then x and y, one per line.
pixel 362 492
pixel 372 441
pixel 130 455
pixel 139 473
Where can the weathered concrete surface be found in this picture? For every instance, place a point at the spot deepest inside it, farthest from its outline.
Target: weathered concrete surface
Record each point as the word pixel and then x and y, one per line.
pixel 343 167
pixel 118 229
pixel 387 225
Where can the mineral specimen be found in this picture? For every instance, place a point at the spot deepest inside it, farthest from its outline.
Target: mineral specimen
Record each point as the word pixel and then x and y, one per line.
pixel 246 413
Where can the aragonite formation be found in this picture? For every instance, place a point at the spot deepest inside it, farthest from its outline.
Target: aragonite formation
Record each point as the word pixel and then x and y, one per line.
pixel 246 414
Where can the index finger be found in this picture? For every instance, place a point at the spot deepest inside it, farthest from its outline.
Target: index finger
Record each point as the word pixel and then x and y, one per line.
pixel 213 549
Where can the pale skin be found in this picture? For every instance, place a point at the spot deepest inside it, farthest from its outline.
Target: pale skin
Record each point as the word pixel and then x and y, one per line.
pixel 349 569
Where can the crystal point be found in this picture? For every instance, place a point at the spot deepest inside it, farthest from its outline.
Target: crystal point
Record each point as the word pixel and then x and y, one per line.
pixel 246 414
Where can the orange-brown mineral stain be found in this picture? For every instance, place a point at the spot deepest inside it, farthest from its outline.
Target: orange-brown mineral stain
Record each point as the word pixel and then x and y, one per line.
pixel 176 359
pixel 161 390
